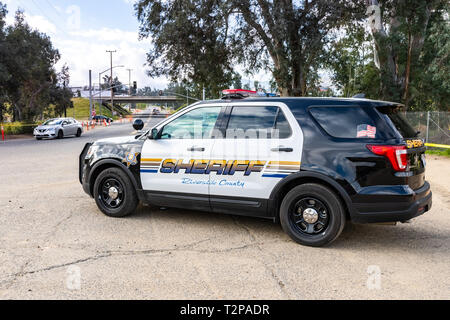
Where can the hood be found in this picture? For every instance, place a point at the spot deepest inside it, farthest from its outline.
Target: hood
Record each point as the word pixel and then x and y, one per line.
pixel 48 127
pixel 117 141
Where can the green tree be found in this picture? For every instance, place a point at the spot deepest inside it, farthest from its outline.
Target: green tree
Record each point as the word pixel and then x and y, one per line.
pixel 30 60
pixel 4 73
pixel 190 41
pixel 430 88
pixel 352 65
pixel 400 29
pixel 200 40
pixel 60 95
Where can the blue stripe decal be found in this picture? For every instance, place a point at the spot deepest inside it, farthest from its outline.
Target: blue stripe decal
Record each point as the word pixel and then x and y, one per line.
pixel 275 175
pixel 149 171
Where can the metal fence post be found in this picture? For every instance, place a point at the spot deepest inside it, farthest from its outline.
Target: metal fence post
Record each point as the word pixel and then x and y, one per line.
pixel 428 126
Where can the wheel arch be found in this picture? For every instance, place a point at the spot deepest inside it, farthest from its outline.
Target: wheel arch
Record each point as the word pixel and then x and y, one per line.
pixel 287 184
pixel 105 164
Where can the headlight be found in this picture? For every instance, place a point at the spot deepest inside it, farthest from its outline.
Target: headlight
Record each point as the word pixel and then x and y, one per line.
pixel 51 130
pixel 91 151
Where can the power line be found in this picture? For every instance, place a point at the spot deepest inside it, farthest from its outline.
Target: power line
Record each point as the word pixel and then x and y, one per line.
pixel 63 19
pixel 51 20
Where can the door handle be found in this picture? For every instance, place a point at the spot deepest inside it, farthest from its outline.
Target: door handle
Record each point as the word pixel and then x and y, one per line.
pixel 194 149
pixel 282 149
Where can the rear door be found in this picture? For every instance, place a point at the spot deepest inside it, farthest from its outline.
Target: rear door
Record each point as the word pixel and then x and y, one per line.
pixel 262 145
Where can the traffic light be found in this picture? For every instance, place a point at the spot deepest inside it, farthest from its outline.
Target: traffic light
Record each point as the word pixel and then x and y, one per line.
pixel 135 85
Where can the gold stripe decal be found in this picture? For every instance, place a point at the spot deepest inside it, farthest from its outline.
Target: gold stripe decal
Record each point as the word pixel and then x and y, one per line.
pixel 285 163
pixel 152 160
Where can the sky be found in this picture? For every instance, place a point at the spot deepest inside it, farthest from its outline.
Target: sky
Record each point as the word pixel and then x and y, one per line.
pixel 82 31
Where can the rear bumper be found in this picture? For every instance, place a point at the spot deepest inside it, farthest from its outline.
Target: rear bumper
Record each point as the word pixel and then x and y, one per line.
pixel 391 204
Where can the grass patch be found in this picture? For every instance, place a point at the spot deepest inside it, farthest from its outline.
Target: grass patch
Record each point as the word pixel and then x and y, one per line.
pixel 439 152
pixel 81 109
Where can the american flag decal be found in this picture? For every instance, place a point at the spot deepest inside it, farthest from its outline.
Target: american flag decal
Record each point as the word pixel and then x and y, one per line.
pixel 366 131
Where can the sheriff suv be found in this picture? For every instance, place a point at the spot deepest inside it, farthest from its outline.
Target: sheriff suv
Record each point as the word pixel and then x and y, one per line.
pixel 310 163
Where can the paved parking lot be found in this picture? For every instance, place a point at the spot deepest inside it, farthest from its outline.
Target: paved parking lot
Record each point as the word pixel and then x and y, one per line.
pixel 52 235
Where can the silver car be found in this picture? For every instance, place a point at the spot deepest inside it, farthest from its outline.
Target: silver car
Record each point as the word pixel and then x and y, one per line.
pixel 58 128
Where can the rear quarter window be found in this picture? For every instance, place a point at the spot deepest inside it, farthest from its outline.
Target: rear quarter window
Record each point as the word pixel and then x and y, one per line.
pixel 398 123
pixel 346 122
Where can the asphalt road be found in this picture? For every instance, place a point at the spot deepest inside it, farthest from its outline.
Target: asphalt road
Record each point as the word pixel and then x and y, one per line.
pixel 56 244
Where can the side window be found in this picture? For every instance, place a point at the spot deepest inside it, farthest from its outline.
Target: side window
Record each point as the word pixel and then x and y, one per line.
pixel 257 123
pixel 345 122
pixel 196 124
pixel 282 125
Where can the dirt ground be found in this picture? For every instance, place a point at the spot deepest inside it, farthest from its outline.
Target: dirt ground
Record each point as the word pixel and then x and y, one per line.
pixel 56 244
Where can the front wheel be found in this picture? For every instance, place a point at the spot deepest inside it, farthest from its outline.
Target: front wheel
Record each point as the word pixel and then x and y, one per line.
pixel 312 215
pixel 115 194
pixel 78 133
pixel 60 134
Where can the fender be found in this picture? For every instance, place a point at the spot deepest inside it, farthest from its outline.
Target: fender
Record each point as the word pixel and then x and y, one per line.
pixel 313 175
pixel 115 163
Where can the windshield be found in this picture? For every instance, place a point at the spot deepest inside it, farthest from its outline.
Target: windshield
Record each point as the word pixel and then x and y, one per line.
pixel 52 122
pixel 394 117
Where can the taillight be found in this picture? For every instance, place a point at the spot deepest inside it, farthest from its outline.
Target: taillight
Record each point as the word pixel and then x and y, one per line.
pixel 397 155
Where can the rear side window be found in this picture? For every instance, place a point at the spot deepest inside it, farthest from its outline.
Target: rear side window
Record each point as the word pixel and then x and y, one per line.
pixel 258 122
pixel 345 122
pixel 397 121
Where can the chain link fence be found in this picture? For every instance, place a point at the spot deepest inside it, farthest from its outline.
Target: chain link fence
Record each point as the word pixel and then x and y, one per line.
pixel 434 126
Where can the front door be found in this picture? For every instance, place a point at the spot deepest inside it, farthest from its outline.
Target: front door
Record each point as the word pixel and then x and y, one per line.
pixel 173 167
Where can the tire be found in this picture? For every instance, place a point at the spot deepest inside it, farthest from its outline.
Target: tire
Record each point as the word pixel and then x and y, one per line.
pixel 60 134
pixel 298 221
pixel 126 202
pixel 38 139
pixel 78 133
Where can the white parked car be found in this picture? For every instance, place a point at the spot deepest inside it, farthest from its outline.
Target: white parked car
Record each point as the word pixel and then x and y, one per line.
pixel 58 128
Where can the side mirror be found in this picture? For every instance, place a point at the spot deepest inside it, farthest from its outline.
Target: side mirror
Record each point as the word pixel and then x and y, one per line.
pixel 154 134
pixel 138 124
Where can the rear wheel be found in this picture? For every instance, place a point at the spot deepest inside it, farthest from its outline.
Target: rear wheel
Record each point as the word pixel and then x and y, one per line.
pixel 78 133
pixel 312 215
pixel 115 194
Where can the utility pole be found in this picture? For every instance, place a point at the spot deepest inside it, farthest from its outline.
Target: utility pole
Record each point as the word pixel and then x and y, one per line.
pixel 90 94
pixel 65 106
pixel 100 93
pixel 204 94
pixel 111 79
pixel 129 81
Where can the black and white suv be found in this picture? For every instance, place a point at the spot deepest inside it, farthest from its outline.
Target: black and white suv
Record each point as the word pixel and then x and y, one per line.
pixel 310 163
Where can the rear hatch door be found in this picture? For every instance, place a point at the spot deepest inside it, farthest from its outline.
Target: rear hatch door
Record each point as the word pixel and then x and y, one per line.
pixel 404 133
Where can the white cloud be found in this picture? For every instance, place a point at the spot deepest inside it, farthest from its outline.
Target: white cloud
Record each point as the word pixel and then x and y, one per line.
pixel 36 22
pixel 86 49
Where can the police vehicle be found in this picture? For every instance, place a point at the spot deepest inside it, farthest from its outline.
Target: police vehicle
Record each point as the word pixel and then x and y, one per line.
pixel 310 163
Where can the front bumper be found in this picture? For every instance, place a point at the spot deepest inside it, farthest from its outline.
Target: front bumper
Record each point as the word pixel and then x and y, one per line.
pixel 45 135
pixel 83 169
pixel 390 205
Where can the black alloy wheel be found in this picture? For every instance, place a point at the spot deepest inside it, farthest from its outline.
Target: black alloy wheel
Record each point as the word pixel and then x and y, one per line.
pixel 114 193
pixel 312 215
